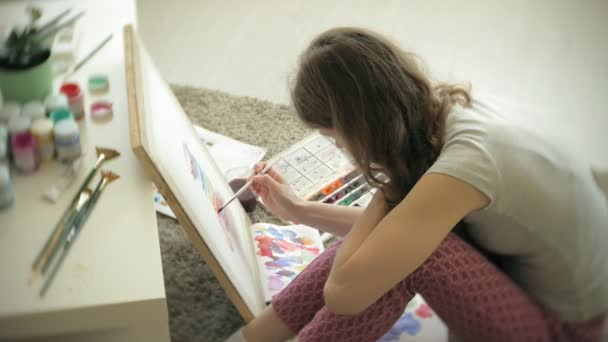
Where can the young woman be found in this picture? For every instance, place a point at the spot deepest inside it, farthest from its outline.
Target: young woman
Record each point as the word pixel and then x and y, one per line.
pixel 530 263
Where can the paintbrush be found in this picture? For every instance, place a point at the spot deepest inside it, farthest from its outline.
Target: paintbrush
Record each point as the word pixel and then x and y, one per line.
pixel 107 177
pixel 103 155
pixel 89 55
pixel 51 28
pixel 60 235
pixel 247 185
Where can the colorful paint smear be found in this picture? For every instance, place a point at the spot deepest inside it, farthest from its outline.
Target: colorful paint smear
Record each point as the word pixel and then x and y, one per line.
pixel 216 201
pixel 284 251
pixel 406 324
pixel 424 311
pixel 409 326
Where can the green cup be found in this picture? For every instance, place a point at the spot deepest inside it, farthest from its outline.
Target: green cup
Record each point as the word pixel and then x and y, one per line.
pixel 26 85
pixel 61 114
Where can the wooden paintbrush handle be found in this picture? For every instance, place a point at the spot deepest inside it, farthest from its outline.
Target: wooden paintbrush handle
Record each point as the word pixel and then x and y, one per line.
pixel 60 226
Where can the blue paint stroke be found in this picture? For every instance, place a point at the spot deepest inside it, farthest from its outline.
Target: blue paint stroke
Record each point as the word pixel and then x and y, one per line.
pixel 406 324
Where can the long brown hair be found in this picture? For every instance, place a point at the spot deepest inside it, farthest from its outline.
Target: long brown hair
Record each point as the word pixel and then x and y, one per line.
pixel 379 101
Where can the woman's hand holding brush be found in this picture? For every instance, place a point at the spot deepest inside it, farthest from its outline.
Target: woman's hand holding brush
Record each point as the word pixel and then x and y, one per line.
pixel 276 194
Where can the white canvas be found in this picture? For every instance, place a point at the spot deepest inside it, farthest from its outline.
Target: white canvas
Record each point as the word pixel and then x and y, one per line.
pixel 189 171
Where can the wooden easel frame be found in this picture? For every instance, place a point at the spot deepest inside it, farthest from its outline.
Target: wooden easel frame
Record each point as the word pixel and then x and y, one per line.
pixel 139 143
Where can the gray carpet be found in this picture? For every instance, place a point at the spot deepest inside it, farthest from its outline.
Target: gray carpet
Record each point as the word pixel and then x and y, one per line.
pixel 198 308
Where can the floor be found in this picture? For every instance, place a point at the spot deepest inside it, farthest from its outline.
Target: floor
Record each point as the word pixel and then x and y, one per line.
pixel 549 56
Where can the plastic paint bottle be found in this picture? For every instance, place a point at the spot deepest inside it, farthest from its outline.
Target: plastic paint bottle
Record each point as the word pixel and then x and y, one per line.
pixel 61 114
pixel 10 110
pixel 19 124
pixel 34 110
pixel 6 188
pixel 3 145
pixel 67 140
pixel 25 152
pixel 42 130
pixel 55 102
pixel 75 99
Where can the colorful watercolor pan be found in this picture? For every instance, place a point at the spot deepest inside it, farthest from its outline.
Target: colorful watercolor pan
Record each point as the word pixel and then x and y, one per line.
pixel 319 171
pixel 352 197
pixel 344 190
pixel 312 164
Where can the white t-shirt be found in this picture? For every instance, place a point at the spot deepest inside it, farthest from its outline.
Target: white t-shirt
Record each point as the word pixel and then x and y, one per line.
pixel 547 219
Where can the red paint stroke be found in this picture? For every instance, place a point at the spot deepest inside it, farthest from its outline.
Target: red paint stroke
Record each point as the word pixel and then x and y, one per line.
pixel 265 245
pixel 424 311
pixel 217 203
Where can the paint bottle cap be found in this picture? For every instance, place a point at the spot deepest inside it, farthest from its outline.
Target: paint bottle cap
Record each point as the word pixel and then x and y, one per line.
pixel 19 124
pixel 34 110
pixel 61 114
pixel 25 147
pixel 56 101
pixel 70 89
pixel 22 140
pixel 42 129
pixel 99 83
pixel 101 111
pixel 65 129
pixel 9 110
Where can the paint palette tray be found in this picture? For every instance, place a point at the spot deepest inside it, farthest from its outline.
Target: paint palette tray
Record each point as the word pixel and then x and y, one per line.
pixel 319 171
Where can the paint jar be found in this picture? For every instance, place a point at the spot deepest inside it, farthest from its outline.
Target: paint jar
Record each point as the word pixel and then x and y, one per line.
pixel 101 111
pixel 75 99
pixel 34 110
pixel 55 102
pixel 9 110
pixel 99 84
pixel 236 178
pixel 67 140
pixel 19 124
pixel 42 130
pixel 61 114
pixel 6 188
pixel 25 151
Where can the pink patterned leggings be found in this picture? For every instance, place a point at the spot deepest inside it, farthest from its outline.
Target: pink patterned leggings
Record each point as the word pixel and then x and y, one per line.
pixel 477 301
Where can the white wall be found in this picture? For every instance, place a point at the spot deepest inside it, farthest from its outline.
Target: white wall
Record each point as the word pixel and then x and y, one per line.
pixel 549 56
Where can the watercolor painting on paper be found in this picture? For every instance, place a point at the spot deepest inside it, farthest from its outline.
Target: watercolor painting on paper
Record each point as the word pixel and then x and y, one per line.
pixel 198 174
pixel 283 252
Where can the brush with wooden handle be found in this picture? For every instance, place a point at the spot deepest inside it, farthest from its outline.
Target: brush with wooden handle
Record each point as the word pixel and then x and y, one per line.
pixel 247 185
pixel 103 155
pixel 61 235
pixel 107 178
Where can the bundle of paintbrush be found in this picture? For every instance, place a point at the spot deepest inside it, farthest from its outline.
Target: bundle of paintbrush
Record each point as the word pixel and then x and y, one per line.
pixel 85 207
pixel 75 210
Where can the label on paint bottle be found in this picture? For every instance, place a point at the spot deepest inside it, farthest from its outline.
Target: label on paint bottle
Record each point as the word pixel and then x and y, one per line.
pixel 67 140
pixel 68 150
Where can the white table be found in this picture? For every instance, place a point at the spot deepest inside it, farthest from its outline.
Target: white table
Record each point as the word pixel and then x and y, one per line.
pixel 110 287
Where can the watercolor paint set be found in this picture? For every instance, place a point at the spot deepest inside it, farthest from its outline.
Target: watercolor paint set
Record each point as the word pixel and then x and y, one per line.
pixel 319 171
